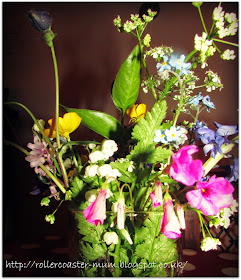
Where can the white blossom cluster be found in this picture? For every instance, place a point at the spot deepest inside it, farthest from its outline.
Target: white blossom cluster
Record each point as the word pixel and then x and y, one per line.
pixel 226 23
pixel 209 243
pixel 228 55
pixel 212 81
pixel 102 153
pixel 223 218
pixel 158 52
pixel 147 84
pixel 204 46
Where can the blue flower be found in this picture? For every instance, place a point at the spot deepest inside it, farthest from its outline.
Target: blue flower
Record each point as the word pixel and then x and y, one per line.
pixel 205 134
pixel 195 100
pixel 206 101
pixel 234 171
pixel 226 130
pixel 160 137
pixel 163 66
pixel 179 64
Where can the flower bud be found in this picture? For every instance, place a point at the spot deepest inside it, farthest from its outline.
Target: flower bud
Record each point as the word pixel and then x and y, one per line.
pixel 40 19
pixel 110 237
pixel 41 124
pixel 127 236
pixel 180 215
pixel 156 195
pixel 45 201
pixel 120 213
pixel 197 4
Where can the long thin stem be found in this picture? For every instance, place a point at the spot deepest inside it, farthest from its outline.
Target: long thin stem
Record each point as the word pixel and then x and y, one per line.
pixel 56 95
pixel 201 17
pixel 225 42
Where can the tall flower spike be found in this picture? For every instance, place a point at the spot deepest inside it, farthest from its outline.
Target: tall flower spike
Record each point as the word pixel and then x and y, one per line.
pixel 156 195
pixel 170 225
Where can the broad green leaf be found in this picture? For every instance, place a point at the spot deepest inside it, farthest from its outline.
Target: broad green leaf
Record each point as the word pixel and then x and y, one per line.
pixel 101 123
pixel 77 186
pixel 127 83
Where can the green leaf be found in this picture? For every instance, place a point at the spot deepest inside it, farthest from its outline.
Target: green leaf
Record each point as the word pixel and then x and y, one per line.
pixel 126 176
pixel 101 123
pixel 154 245
pixel 146 127
pixel 92 252
pixel 77 186
pixel 127 83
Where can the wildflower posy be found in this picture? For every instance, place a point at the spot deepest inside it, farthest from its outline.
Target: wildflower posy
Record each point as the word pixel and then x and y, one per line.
pixel 128 187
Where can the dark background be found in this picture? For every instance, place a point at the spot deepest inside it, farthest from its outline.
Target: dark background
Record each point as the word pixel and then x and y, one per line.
pixel 89 51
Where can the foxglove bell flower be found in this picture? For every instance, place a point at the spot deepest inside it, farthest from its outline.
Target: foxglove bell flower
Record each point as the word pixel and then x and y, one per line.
pixel 170 225
pixel 210 197
pixel 96 212
pixel 40 19
pixel 184 169
pixel 156 195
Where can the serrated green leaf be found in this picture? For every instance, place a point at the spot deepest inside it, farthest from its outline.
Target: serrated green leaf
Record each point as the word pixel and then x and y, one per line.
pixel 159 155
pixel 127 83
pixel 92 252
pixel 126 176
pixel 146 127
pixel 77 186
pixel 101 123
pixel 155 246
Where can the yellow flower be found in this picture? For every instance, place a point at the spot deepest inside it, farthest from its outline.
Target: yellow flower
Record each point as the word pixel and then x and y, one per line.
pixel 137 111
pixel 69 123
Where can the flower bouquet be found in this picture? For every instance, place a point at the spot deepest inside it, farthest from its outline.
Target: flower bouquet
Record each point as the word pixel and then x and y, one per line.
pixel 128 193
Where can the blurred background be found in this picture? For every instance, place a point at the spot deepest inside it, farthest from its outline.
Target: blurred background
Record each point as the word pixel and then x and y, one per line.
pixel 89 51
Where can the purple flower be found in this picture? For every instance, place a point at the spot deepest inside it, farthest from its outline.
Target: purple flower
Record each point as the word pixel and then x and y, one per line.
pixel 210 197
pixel 184 169
pixel 234 174
pixel 40 19
pixel 39 154
pixel 226 130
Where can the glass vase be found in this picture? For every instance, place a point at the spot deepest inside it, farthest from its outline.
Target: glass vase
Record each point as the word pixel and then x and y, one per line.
pixel 141 249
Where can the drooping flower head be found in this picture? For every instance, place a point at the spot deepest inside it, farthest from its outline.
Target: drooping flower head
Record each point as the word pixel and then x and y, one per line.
pixel 170 225
pixel 210 197
pixel 96 212
pixel 156 195
pixel 184 169
pixel 120 213
pixel 69 123
pixel 180 215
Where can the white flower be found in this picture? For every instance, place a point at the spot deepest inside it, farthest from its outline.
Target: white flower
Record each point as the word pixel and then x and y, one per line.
pixel 234 206
pixel 110 237
pixel 104 170
pixel 228 55
pixel 91 146
pixel 91 170
pixel 233 28
pixel 218 14
pixel 96 156
pixel 209 243
pixel 108 148
pixel 91 195
pixel 230 17
pixel 41 124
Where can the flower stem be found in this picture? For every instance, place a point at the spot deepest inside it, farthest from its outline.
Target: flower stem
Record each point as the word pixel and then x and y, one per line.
pixel 56 95
pixel 225 42
pixel 201 17
pixel 117 271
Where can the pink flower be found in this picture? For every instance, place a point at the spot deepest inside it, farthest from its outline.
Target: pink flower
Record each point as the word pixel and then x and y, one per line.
pixel 156 196
pixel 121 213
pixel 210 197
pixel 184 169
pixel 96 212
pixel 170 225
